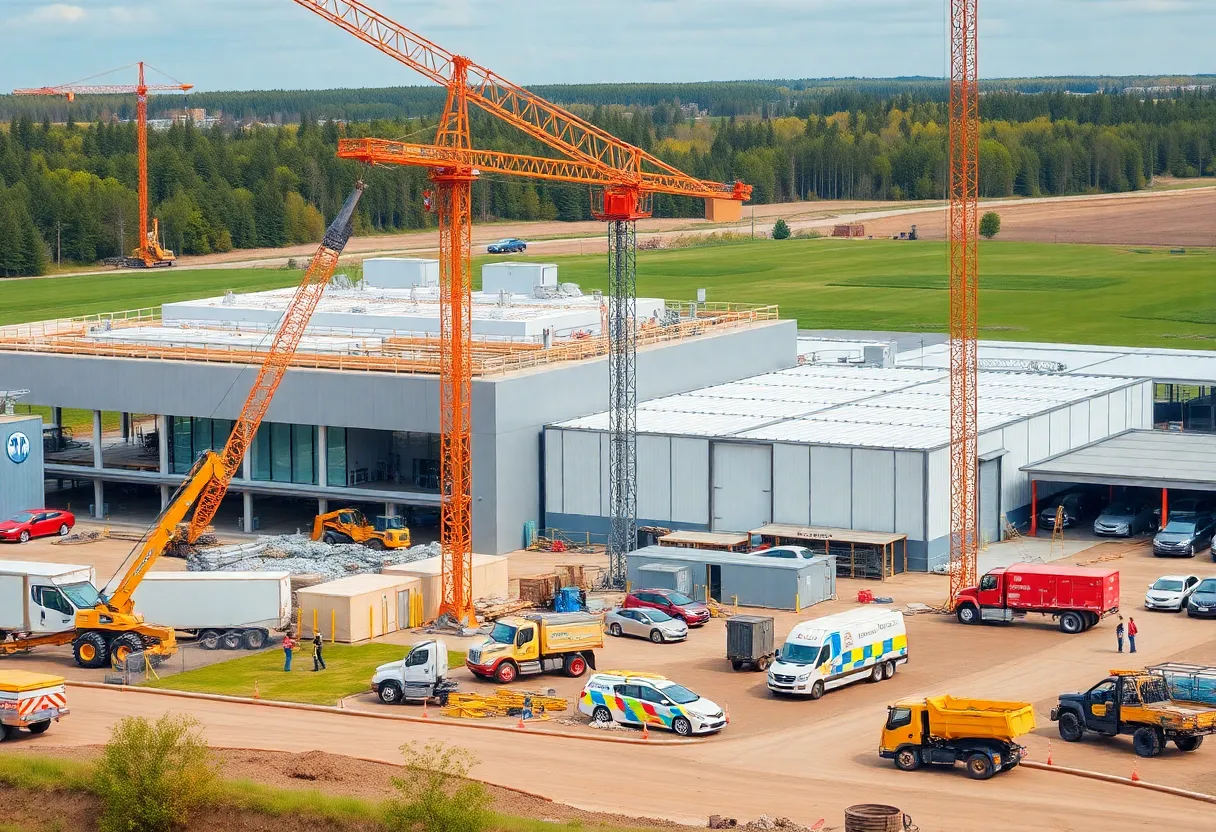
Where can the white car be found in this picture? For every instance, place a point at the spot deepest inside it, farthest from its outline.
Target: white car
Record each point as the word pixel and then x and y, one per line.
pixel 786 552
pixel 655 625
pixel 1170 592
pixel 646 698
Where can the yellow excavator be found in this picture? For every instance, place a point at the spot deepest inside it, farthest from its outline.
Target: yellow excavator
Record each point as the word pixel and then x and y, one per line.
pixel 110 629
pixel 348 525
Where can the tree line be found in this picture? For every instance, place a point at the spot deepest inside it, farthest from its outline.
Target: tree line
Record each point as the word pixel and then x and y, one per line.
pixel 67 190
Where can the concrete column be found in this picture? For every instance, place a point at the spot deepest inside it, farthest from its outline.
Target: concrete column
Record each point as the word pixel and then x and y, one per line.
pixel 163 425
pixel 323 457
pixel 247 514
pixel 165 494
pixel 247 465
pixel 322 505
pixel 57 416
pixel 99 499
pixel 126 427
pixel 390 509
pixel 97 439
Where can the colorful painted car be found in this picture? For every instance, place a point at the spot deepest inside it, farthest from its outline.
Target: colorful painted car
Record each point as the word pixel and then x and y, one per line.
pixel 645 698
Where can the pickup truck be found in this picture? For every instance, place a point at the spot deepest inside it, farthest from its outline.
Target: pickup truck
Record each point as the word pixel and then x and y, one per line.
pixel 538 643
pixel 31 701
pixel 1139 703
pixel 944 730
pixel 421 675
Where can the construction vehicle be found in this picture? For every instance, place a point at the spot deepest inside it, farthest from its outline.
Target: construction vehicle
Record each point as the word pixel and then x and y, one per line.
pixel 150 254
pixel 108 627
pixel 538 643
pixel 1077 596
pixel 1139 703
pixel 31 701
pixel 348 525
pixel 944 730
pixel 422 675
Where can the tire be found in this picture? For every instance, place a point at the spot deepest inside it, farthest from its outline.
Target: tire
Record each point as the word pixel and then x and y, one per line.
pixel 1071 623
pixel 1147 741
pixel 762 663
pixel 736 664
pixel 1188 743
pixel 376 544
pixel 615 629
pixel 91 650
pixel 390 693
pixel 601 715
pixel 209 640
pixel 817 691
pixel 875 674
pixel 576 666
pixel 5 731
pixel 506 673
pixel 656 636
pixel 967 614
pixel 254 639
pixel 39 727
pixel 979 766
pixel 63 532
pixel 682 726
pixel 232 639
pixel 1070 727
pixel 24 537
pixel 124 644
pixel 907 758
pixel 888 669
pixel 330 538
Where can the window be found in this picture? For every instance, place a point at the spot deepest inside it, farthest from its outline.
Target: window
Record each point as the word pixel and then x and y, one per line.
pixel 182 446
pixel 1104 692
pixel 680 694
pixel 824 655
pixel 417 657
pixel 898 718
pixel 1130 695
pixel 645 597
pixel 83 595
pixel 303 441
pixel 280 452
pixel 261 453
pixel 652 695
pixel 642 618
pixel 52 599
pixel 779 553
pixel 679 599
pixel 524 637
pixel 335 457
pixel 627 691
pixel 988 582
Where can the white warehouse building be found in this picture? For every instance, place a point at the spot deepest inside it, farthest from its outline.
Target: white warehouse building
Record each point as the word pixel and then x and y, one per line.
pixel 835 446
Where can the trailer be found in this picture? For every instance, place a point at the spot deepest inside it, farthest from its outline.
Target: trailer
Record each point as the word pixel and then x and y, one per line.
pixel 31 701
pixel 1078 597
pixel 749 642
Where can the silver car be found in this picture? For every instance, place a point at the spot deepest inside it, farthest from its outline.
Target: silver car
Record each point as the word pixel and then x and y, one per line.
pixel 1125 520
pixel 655 625
pixel 1170 592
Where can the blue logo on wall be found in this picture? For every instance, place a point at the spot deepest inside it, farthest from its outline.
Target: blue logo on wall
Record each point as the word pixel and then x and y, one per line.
pixel 18 447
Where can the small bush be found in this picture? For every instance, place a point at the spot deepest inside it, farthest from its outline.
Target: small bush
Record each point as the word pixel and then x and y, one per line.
pixel 808 234
pixel 436 795
pixel 291 263
pixel 781 230
pixel 152 775
pixel 990 225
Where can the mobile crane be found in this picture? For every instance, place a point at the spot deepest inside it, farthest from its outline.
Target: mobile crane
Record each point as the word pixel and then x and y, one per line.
pixel 110 628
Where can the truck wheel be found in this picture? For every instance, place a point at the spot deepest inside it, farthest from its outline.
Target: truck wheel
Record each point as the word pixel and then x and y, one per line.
pixel 979 766
pixel 968 614
pixel 736 664
pixel 907 758
pixel 90 650
pixel 4 732
pixel 506 672
pixel 615 629
pixel 762 663
pixel 681 726
pixel 1070 727
pixel 39 727
pixel 232 639
pixel 390 693
pixel 1147 741
pixel 575 666
pixel 209 639
pixel 254 639
pixel 1188 743
pixel 1071 623
pixel 601 715
pixel 888 670
pixel 817 690
pixel 875 674
pixel 124 645
pixel 656 636
pixel 376 544
pixel 330 538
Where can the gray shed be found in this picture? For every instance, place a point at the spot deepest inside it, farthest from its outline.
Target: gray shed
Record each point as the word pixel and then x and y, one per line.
pixel 666 576
pixel 731 577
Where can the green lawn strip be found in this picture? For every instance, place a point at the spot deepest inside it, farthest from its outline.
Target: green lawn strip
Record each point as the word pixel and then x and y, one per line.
pixel 350 669
pixel 79 421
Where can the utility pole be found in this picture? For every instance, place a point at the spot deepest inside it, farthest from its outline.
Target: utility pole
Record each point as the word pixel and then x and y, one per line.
pixel 59 243
pixel 753 223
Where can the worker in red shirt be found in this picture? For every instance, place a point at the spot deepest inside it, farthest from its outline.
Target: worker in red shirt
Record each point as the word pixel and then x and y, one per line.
pixel 289 644
pixel 1132 629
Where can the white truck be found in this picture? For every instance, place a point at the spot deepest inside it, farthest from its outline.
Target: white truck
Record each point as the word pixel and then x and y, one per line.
pixel 837 650
pixel 42 598
pixel 223 609
pixel 421 675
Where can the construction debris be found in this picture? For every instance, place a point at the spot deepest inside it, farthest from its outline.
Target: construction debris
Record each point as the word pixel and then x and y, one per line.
pixel 504 702
pixel 79 537
pixel 492 609
pixel 300 555
pixel 539 589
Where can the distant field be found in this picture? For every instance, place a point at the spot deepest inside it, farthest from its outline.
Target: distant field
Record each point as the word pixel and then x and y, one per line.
pixel 1029 291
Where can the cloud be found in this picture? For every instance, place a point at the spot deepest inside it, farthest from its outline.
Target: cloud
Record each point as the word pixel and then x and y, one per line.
pixel 57 13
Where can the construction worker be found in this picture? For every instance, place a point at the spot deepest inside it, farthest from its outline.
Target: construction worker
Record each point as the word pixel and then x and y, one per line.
pixel 289 644
pixel 1119 633
pixel 1132 629
pixel 318 660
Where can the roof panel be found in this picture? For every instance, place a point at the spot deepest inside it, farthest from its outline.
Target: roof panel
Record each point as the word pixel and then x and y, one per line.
pixel 1138 458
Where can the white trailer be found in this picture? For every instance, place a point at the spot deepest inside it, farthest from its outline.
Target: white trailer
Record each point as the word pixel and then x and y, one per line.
pixel 223 609
pixel 42 598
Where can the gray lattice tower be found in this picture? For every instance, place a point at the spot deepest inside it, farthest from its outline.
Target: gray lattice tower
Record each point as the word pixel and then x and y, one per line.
pixel 622 393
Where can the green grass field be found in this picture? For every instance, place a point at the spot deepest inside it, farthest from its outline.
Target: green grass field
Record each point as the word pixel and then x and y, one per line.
pixel 349 672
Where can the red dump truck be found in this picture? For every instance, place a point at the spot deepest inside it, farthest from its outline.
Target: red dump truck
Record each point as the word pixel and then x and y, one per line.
pixel 1076 596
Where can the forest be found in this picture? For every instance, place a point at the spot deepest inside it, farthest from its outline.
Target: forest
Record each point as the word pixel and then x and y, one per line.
pixel 265 174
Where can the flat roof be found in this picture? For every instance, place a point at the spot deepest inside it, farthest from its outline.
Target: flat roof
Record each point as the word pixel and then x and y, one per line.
pixel 703 539
pixel 811 533
pixel 681 554
pixel 1137 458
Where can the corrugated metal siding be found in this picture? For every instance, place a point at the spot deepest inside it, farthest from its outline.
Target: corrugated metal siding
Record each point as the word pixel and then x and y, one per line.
pixel 1078 427
pixel 581 475
pixel 1135 411
pixel 938 504
pixel 553 471
pixel 910 494
pixel 605 494
pixel 1015 486
pixel 743 486
pixel 1039 438
pixel 654 478
pixel 988 442
pixel 1099 417
pixel 873 490
pixel 1146 407
pixel 792 484
pixel 832 487
pixel 1117 411
pixel 1059 432
pixel 689 480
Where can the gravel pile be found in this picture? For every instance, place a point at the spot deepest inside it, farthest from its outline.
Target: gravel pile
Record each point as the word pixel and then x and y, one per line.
pixel 300 555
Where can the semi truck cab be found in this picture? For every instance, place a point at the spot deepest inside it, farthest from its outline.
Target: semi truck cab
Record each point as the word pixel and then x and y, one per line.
pixel 421 675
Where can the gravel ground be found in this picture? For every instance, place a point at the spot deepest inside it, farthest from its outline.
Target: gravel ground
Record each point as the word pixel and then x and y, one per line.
pixel 300 555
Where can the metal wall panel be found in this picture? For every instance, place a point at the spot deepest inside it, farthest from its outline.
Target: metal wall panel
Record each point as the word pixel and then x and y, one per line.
pixel 1038 438
pixel 21 483
pixel 743 486
pixel 1135 408
pixel 654 478
pixel 910 494
pixel 988 442
pixel 1078 428
pixel 1117 411
pixel 873 490
pixel 1059 431
pixel 605 493
pixel 689 480
pixel 792 484
pixel 1146 405
pixel 1099 417
pixel 989 486
pixel 1015 486
pixel 938 502
pixel 581 475
pixel 553 471
pixel 832 487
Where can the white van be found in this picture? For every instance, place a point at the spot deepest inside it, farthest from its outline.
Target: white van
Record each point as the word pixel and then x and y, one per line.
pixel 833 651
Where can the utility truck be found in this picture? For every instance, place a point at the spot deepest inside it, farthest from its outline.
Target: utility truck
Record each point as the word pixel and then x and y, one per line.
pixel 944 730
pixel 538 643
pixel 421 675
pixel 1078 597
pixel 31 701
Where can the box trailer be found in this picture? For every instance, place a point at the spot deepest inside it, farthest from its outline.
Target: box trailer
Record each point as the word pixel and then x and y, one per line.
pixel 1077 596
pixel 42 598
pixel 223 609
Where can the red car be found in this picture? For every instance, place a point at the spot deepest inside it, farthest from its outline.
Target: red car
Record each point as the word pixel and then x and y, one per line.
pixel 37 522
pixel 676 604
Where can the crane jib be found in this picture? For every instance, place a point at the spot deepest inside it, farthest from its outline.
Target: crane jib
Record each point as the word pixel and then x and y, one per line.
pixel 340 230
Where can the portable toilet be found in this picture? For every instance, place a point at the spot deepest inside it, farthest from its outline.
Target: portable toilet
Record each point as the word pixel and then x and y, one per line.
pixel 666 576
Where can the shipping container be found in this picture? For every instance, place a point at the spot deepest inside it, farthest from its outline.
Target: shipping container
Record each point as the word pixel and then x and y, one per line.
pixel 489 579
pixel 355 608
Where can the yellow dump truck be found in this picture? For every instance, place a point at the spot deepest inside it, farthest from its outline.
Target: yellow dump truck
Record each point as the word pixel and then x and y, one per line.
pixel 30 700
pixel 538 643
pixel 944 730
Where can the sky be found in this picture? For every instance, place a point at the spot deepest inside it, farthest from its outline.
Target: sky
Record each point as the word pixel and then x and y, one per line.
pixel 276 44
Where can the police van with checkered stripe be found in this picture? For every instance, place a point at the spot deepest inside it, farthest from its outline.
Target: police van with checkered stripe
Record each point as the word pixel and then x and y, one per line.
pixel 836 650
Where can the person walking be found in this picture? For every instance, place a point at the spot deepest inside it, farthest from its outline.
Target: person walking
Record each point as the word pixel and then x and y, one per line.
pixel 1119 633
pixel 1132 629
pixel 318 660
pixel 289 644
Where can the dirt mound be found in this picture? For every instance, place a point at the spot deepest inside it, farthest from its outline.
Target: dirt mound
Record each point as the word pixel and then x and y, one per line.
pixel 314 766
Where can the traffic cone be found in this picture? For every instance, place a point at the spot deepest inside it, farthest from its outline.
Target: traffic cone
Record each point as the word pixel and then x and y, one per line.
pixel 1049 752
pixel 520 724
pixel 1136 771
pixel 424 713
pixel 645 730
pixel 256 694
pixel 726 710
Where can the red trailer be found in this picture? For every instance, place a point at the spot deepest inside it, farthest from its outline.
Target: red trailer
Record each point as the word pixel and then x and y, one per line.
pixel 1077 596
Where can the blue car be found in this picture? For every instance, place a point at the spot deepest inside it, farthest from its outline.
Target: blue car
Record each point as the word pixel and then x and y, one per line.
pixel 511 245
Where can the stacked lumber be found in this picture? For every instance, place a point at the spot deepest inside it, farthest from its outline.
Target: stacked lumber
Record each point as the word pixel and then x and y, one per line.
pixel 539 589
pixel 492 609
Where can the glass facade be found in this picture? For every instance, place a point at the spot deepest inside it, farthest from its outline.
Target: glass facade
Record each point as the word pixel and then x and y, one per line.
pixel 193 435
pixel 1185 407
pixel 280 452
pixel 335 457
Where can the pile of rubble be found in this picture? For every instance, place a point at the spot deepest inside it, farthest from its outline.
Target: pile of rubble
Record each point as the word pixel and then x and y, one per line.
pixel 300 555
pixel 764 823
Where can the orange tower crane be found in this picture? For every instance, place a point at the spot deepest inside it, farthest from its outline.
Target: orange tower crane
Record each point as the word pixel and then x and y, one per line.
pixel 625 177
pixel 964 292
pixel 148 254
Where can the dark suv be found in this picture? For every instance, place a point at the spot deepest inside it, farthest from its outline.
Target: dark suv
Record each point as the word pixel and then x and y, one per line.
pixel 1184 535
pixel 1078 507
